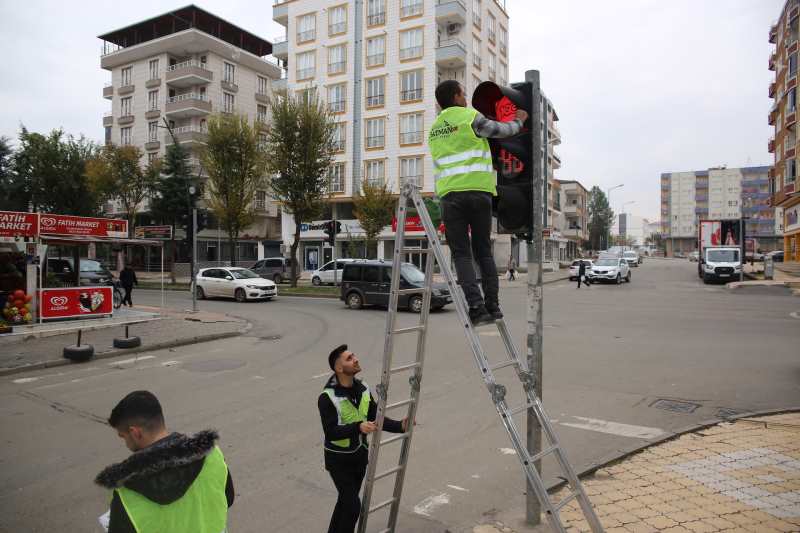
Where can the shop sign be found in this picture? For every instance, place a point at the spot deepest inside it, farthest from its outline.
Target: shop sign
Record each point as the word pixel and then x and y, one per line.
pixel 82 226
pixel 792 215
pixel 413 223
pixel 72 302
pixel 16 224
pixel 163 233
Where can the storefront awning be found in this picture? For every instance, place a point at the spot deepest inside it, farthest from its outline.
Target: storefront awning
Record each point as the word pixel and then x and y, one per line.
pixel 85 239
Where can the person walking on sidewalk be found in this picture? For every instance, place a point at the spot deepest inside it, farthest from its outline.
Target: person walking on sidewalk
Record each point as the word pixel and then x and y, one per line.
pixel 172 482
pixel 127 278
pixel 512 268
pixel 465 182
pixel 582 275
pixel 348 412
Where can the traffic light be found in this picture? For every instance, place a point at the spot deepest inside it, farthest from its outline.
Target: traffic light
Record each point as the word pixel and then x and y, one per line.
pixel 512 158
pixel 330 231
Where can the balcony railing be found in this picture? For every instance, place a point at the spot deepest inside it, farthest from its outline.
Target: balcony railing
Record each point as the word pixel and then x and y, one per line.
pixel 410 95
pixel 376 59
pixel 339 146
pixel 376 18
pixel 410 52
pixel 476 60
pixel 187 64
pixel 375 100
pixel 771 91
pixel 414 180
pixel 337 106
pixel 411 10
pixel 187 96
pixel 476 20
pixel 305 36
pixel 189 129
pixel 771 146
pixel 339 27
pixel 411 137
pixel 305 73
pixel 337 68
pixel 376 141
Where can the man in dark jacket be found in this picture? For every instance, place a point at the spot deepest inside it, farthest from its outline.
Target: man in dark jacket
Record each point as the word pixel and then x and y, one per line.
pixel 348 412
pixel 172 482
pixel 582 274
pixel 127 278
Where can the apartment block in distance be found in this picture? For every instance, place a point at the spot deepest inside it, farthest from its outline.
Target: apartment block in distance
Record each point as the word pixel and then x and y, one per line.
pixel 183 66
pixel 576 211
pixel 377 69
pixel 783 117
pixel 717 193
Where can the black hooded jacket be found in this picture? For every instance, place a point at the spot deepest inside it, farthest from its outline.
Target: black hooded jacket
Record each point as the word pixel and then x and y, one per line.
pixel 162 472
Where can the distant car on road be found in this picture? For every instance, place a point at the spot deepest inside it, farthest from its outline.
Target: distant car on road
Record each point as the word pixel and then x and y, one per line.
pixel 610 269
pixel 231 282
pixel 632 257
pixel 777 256
pixel 91 272
pixel 278 269
pixel 679 255
pixel 694 256
pixel 574 268
pixel 325 274
pixel 369 283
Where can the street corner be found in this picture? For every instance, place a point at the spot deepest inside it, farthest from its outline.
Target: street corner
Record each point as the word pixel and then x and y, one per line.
pixel 742 475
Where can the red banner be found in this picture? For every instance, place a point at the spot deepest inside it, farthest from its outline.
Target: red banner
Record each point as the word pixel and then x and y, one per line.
pixel 413 223
pixel 93 227
pixel 72 302
pixel 14 224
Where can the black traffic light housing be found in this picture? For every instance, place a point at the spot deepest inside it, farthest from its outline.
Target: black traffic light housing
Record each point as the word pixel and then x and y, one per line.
pixel 512 158
pixel 332 228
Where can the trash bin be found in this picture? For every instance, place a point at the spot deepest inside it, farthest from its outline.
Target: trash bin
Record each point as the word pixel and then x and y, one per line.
pixel 769 267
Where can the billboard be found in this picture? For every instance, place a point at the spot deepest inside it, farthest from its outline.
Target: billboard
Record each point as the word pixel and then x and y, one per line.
pixel 163 233
pixel 83 226
pixel 71 302
pixel 17 224
pixel 719 233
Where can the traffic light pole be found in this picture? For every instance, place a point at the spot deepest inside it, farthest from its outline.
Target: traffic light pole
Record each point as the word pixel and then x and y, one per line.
pixel 333 253
pixel 533 509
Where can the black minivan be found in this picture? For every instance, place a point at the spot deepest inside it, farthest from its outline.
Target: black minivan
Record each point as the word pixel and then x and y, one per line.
pixel 368 283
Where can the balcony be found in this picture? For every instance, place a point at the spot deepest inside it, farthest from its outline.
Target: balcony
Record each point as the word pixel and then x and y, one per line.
pixel 279 85
pixel 701 210
pixel 152 83
pixel 306 36
pixel 304 74
pixel 411 52
pixel 188 74
pixel 773 113
pixel 373 60
pixel 376 19
pixel 772 61
pixel 280 48
pixel 126 89
pixel 108 91
pixel 451 53
pixel 152 144
pixel 701 197
pixel 772 90
pixel 701 184
pixel 791 119
pixel 108 119
pixel 191 135
pixel 280 12
pixel 229 85
pixel 571 209
pixel 773 30
pixel 411 95
pixel 411 137
pixel 789 153
pixel 125 119
pixel 771 146
pixel 411 10
pixel 451 12
pixel 263 97
pixel 337 68
pixel 153 112
pixel 187 105
pixel 556 161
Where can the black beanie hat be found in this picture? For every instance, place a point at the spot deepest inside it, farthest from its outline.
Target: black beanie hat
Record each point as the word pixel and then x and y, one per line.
pixel 334 355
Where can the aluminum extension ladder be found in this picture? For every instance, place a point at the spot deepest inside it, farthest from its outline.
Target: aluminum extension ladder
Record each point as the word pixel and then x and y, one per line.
pixel 496 391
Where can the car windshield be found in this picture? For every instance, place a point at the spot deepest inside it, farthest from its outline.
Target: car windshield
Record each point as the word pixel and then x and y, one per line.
pixel 630 254
pixel 91 266
pixel 723 256
pixel 411 273
pixel 607 262
pixel 243 273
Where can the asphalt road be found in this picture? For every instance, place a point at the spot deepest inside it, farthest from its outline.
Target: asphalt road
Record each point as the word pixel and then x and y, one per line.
pixel 611 352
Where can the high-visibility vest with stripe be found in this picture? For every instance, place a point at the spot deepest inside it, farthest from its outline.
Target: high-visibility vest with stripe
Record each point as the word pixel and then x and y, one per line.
pixel 203 508
pixel 462 161
pixel 348 414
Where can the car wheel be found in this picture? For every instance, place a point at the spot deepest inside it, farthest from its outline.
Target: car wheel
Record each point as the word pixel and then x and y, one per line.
pixel 619 279
pixel 277 278
pixel 415 304
pixel 628 278
pixel 201 294
pixel 240 295
pixel 315 281
pixel 706 279
pixel 354 301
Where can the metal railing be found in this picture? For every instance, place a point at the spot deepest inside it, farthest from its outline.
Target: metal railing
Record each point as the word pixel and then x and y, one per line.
pixel 476 60
pixel 453 42
pixel 305 73
pixel 376 141
pixel 491 36
pixel 411 137
pixel 187 96
pixel 339 146
pixel 339 27
pixel 261 117
pixel 375 100
pixel 376 18
pixel 305 36
pixel 415 180
pixel 188 129
pixel 411 9
pixel 411 94
pixel 280 39
pixel 187 64
pixel 376 59
pixel 336 107
pixel 337 68
pixel 476 19
pixel 410 52
pixel 336 185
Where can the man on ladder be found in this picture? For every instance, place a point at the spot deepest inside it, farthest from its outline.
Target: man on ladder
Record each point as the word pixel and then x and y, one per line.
pixel 466 183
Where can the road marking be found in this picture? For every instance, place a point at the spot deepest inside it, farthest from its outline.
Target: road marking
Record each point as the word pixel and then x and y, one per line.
pixel 430 503
pixel 456 487
pixel 615 428
pixel 795 314
pixel 320 375
pixel 508 451
pixel 170 363
pixel 25 380
pixel 131 360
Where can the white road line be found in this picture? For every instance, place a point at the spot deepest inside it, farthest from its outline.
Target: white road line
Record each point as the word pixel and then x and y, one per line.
pixel 795 314
pixel 170 363
pixel 508 451
pixel 426 506
pixel 456 487
pixel 615 428
pixel 25 380
pixel 321 375
pixel 131 360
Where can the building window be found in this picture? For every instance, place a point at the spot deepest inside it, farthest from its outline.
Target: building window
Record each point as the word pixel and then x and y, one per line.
pixel 127 75
pixel 152 100
pixel 153 69
pixel 337 59
pixel 262 141
pixel 152 131
pixel 125 136
pixel 152 157
pixel 476 13
pixel 376 12
pixel 410 8
pixel 336 178
pixel 337 20
pixel 125 106
pixel 339 136
pixel 306 95
pixel 376 128
pixel 261 113
pixel 792 65
pixel 306 28
pixel 261 200
pixel 337 98
pixel 503 41
pixel 306 65
pixel 375 172
pixel 792 99
pixel 262 85
pixel 411 44
pixel 790 174
pixel 491 24
pixel 492 66
pixel 229 73
pixel 476 52
pixel 733 203
pixel 227 103
pixel 411 170
pixel 375 91
pixel 376 51
pixel 411 86
pixel 411 128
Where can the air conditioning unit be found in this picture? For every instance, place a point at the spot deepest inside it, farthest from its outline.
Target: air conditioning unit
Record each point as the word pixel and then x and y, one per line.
pixel 453 28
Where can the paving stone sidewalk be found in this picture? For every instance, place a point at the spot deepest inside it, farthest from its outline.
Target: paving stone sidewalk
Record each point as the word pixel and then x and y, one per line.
pixel 742 476
pixel 173 328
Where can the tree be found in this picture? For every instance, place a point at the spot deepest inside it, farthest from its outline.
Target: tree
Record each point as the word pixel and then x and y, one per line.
pixel 374 209
pixel 13 197
pixel 299 148
pixel 600 217
pixel 116 173
pixel 50 173
pixel 236 165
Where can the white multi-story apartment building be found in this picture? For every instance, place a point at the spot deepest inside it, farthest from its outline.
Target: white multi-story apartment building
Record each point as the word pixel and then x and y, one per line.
pixel 575 207
pixel 181 67
pixel 377 69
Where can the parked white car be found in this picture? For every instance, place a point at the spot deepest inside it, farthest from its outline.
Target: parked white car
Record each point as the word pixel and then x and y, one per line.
pixel 574 268
pixel 232 282
pixel 610 269
pixel 325 274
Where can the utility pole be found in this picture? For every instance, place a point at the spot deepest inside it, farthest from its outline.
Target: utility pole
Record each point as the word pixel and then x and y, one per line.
pixel 194 259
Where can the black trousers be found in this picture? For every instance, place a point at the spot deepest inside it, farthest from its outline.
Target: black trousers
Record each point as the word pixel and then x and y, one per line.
pixel 584 279
pixel 127 297
pixel 463 213
pixel 348 481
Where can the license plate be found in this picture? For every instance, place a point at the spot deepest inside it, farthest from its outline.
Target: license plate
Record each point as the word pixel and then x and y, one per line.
pixel 724 275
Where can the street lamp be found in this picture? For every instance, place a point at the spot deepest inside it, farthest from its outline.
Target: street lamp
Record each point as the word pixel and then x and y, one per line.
pixel 608 199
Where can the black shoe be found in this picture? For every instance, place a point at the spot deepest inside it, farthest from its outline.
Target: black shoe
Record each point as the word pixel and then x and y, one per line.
pixel 495 311
pixel 479 316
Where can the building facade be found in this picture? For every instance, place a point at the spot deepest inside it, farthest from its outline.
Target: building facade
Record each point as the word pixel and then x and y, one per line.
pixel 717 193
pixel 377 69
pixel 181 67
pixel 783 117
pixel 576 211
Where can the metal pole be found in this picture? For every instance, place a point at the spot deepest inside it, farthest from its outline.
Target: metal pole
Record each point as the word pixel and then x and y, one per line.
pixel 743 245
pixel 333 253
pixel 194 260
pixel 533 509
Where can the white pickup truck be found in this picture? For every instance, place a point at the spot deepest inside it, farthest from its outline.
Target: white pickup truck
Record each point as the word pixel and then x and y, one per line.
pixel 723 263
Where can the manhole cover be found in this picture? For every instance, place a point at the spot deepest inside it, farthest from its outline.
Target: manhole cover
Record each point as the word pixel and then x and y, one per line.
pixel 214 365
pixel 676 406
pixel 729 412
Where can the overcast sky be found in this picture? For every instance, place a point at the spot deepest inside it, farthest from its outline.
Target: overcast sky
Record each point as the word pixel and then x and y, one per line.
pixel 641 87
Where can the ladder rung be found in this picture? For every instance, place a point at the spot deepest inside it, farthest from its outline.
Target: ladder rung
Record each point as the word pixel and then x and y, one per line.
pixel 381 505
pixel 389 472
pixel 415 290
pixel 524 407
pixel 404 367
pixel 412 329
pixel 544 452
pixel 504 364
pixel 416 250
pixel 399 436
pixel 565 501
pixel 399 404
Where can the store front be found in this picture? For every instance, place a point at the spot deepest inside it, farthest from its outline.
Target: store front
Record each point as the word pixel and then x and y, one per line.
pixel 791 233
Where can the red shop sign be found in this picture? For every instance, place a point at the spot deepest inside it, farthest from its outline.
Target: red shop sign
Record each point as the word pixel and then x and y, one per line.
pixel 72 302
pixel 413 223
pixel 93 227
pixel 15 224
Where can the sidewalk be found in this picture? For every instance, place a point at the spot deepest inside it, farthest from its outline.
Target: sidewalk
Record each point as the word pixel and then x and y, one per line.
pixel 741 476
pixel 20 353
